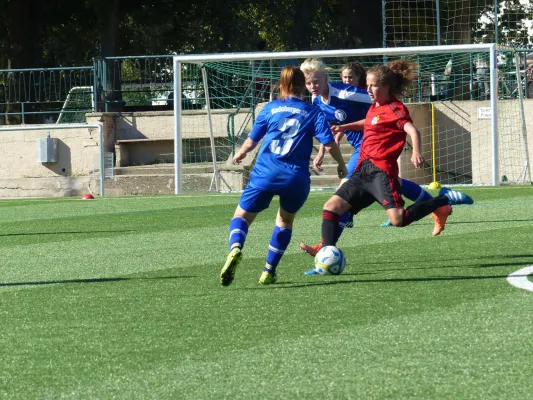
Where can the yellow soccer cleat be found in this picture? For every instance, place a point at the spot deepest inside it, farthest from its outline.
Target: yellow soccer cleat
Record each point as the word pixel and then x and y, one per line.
pixel 228 270
pixel 267 279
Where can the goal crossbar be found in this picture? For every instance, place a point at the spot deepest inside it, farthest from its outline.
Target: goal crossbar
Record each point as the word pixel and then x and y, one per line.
pixel 191 58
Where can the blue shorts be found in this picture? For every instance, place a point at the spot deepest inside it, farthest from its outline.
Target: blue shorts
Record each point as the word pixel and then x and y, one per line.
pixel 354 159
pixel 291 199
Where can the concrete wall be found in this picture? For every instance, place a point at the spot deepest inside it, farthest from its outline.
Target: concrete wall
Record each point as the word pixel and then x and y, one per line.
pixel 21 175
pixel 160 124
pixel 464 142
pixel 158 128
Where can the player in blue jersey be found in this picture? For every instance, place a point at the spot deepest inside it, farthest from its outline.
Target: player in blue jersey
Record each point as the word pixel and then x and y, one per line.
pixel 287 126
pixel 347 104
pixel 342 103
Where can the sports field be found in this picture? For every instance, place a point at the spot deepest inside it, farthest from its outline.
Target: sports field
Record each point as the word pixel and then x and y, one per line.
pixel 119 298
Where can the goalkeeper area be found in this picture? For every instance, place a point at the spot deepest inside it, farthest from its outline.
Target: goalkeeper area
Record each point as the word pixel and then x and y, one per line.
pixel 466 100
pixel 120 298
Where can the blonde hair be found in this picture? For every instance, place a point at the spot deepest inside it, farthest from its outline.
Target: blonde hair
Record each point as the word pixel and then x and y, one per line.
pixel 313 65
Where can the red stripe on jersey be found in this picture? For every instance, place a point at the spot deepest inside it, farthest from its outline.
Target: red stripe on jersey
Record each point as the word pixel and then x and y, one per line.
pixel 396 192
pixel 399 113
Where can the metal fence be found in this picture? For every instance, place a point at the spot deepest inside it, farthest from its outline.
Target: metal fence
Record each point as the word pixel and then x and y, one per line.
pixel 34 96
pixel 65 95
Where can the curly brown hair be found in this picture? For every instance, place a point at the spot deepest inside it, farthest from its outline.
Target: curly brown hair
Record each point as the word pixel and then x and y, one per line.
pixel 397 74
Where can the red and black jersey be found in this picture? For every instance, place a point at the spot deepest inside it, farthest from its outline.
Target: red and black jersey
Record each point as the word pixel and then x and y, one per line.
pixel 384 137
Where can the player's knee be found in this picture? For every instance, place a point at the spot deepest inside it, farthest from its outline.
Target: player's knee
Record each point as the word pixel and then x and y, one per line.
pixel 397 222
pixel 395 217
pixel 285 218
pixel 335 204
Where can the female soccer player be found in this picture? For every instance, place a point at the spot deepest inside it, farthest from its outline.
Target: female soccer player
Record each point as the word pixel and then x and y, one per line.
pixel 288 126
pixel 345 107
pixel 354 74
pixel 386 127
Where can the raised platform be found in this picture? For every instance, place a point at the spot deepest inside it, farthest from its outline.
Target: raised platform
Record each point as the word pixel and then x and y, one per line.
pixel 159 178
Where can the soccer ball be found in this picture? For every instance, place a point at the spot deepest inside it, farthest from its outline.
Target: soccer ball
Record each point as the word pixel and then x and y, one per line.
pixel 330 260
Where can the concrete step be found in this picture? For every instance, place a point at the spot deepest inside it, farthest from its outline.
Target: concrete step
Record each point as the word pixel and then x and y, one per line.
pixel 159 178
pixel 130 185
pixel 326 170
pixel 163 169
pixel 325 181
pixel 345 147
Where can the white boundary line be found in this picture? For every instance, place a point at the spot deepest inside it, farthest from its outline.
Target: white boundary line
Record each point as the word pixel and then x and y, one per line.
pixel 519 278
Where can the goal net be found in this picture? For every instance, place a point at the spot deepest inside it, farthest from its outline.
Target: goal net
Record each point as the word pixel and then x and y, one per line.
pixel 469 135
pixel 448 22
pixel 79 101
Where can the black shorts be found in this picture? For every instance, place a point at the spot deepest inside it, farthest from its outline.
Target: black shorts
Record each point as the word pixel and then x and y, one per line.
pixel 369 184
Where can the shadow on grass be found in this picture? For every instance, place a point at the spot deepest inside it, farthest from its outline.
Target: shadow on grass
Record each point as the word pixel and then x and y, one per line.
pixel 62 233
pixel 447 259
pixel 294 285
pixel 477 265
pixel 90 280
pixel 500 221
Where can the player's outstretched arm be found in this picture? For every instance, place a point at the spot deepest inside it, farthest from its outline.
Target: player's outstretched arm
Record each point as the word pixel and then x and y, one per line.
pixel 246 147
pixel 352 126
pixel 317 162
pixel 335 152
pixel 414 135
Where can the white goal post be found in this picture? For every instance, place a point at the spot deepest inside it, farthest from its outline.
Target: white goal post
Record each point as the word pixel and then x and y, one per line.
pixel 489 52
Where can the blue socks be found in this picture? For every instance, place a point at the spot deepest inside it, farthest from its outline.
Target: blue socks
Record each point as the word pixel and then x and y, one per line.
pixel 238 229
pixel 342 222
pixel 414 192
pixel 278 244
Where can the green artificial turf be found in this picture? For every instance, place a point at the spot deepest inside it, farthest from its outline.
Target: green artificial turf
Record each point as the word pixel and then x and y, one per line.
pixel 119 298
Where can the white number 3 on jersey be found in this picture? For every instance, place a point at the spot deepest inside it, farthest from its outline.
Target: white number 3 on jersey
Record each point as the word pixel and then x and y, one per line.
pixel 289 127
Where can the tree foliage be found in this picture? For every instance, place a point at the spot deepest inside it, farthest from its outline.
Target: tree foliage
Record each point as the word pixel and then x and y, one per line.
pixel 65 32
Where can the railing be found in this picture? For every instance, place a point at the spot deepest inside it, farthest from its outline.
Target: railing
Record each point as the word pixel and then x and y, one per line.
pixel 41 95
pixel 64 95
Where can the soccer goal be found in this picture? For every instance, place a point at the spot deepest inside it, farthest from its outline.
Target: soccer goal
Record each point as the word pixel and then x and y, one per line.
pixel 463 101
pixel 79 101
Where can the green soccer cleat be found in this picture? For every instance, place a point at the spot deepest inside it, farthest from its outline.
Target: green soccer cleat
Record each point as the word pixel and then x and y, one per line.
pixel 267 279
pixel 228 270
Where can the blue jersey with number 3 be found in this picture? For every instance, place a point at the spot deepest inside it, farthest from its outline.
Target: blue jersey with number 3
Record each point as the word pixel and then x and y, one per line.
pixel 288 127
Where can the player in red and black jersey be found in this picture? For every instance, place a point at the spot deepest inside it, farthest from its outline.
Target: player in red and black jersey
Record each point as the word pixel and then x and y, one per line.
pixel 386 127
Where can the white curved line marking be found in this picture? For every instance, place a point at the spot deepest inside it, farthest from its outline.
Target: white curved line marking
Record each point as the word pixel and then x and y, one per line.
pixel 519 278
